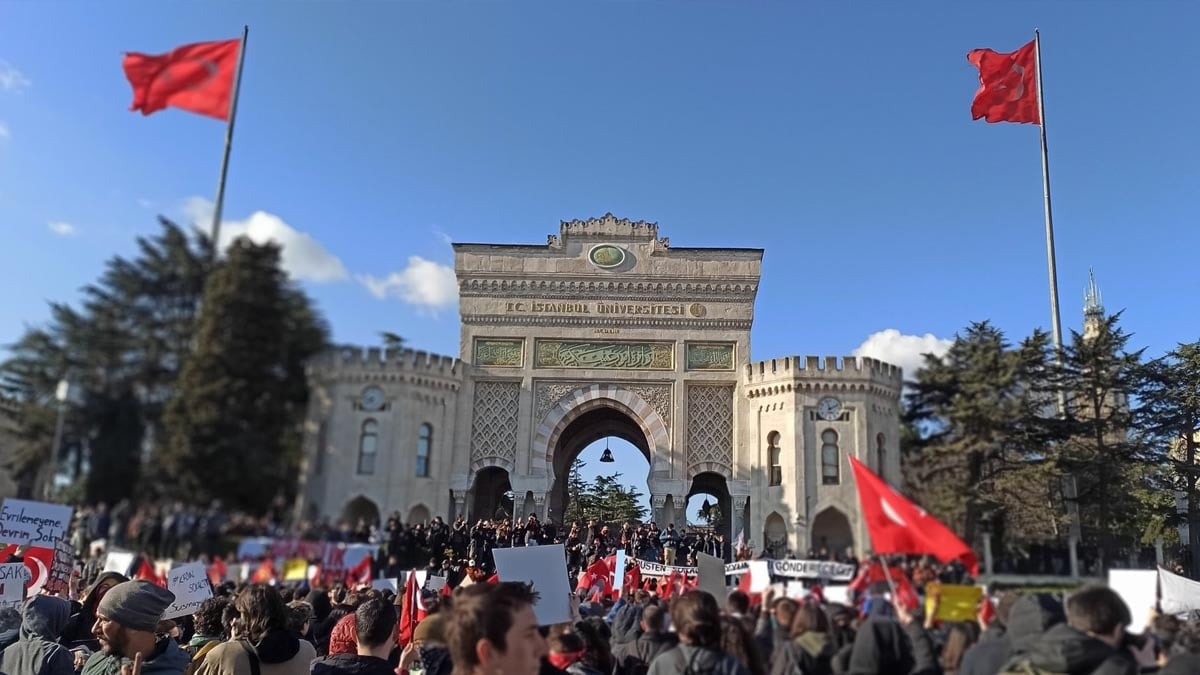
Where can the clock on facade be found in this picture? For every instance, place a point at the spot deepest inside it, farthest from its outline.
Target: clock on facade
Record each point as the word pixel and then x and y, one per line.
pixel 829 408
pixel 372 399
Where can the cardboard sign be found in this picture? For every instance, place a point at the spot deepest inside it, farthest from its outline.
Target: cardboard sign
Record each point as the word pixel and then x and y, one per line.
pixel 59 575
pixel 1139 590
pixel 435 584
pixel 14 577
pixel 190 585
pixel 295 569
pixel 956 603
pixel 118 561
pixel 619 573
pixel 712 577
pixel 34 523
pixel 545 568
pixel 392 585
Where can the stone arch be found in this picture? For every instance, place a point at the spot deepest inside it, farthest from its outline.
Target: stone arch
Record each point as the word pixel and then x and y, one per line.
pixel 419 514
pixel 360 508
pixel 590 398
pixel 775 536
pixel 831 530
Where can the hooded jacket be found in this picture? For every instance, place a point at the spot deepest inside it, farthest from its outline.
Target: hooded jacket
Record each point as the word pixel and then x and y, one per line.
pixel 1031 615
pixel 37 651
pixel 629 656
pixel 279 653
pixel 689 660
pixel 811 654
pixel 881 646
pixel 167 659
pixel 1063 649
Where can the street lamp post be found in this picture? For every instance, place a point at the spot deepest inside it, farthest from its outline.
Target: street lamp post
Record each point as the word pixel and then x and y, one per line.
pixel 61 393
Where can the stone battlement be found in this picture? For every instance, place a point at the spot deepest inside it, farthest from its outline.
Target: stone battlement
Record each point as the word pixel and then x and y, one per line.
pixel 376 359
pixel 827 368
pixel 607 226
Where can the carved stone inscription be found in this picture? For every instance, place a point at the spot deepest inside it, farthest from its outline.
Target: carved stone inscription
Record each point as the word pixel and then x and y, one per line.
pixel 604 355
pixel 548 394
pixel 498 353
pixel 705 356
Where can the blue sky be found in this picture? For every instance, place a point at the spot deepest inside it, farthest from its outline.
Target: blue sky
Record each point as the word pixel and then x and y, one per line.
pixel 837 136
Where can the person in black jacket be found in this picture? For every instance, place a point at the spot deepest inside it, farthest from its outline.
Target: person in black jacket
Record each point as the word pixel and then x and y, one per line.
pixel 633 658
pixel 375 631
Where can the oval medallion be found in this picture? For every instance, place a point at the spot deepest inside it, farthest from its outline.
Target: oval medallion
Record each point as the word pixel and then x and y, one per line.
pixel 606 256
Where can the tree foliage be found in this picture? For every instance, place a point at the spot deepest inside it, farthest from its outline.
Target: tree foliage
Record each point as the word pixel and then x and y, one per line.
pixel 605 499
pixel 123 348
pixel 233 420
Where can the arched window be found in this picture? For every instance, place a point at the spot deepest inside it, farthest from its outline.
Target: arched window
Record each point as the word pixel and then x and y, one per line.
pixel 424 442
pixel 880 456
pixel 773 456
pixel 830 462
pixel 368 447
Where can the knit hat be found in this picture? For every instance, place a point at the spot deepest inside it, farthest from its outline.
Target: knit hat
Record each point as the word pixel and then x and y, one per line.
pixel 430 630
pixel 136 605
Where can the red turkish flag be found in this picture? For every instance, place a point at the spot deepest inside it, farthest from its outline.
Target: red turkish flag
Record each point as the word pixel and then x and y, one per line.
pixel 412 612
pixel 1007 86
pixel 196 77
pixel 897 525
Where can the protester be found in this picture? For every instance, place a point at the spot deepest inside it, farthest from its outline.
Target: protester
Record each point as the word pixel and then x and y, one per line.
pixel 37 652
pixel 126 619
pixel 492 628
pixel 375 631
pixel 264 645
pixel 697 621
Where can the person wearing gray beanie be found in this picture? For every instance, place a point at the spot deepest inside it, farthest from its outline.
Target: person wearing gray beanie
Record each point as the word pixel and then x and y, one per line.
pixel 126 619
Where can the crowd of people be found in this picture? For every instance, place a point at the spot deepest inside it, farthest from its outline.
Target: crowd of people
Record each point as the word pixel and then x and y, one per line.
pixel 491 628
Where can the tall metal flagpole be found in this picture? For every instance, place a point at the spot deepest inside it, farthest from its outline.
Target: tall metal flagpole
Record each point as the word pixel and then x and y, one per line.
pixel 237 88
pixel 1055 318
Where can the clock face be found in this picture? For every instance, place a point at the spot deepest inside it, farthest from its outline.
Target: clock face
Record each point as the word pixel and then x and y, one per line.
pixel 372 399
pixel 829 408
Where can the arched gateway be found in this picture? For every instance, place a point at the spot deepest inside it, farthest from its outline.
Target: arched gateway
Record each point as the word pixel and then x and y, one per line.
pixel 607 330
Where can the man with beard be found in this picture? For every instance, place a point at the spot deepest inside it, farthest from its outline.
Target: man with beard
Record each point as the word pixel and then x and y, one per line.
pixel 125 622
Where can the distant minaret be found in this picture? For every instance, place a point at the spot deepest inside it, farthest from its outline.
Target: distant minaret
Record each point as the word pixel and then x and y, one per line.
pixel 1093 309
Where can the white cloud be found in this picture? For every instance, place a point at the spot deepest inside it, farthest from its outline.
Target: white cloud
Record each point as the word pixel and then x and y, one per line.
pixel 12 79
pixel 303 257
pixel 4 134
pixel 424 283
pixel 906 351
pixel 61 228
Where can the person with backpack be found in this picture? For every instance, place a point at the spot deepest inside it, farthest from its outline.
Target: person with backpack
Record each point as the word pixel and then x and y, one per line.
pixel 697 620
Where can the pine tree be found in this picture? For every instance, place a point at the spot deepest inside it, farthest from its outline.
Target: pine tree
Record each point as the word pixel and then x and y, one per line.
pixel 1170 418
pixel 233 419
pixel 604 500
pixel 976 439
pixel 1099 446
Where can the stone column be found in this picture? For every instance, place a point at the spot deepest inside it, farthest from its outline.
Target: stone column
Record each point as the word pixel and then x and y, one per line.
pixel 539 503
pixel 738 517
pixel 680 511
pixel 658 504
pixel 459 505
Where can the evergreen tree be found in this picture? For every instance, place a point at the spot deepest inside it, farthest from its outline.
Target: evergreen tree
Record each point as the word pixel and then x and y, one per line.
pixel 1170 418
pixel 604 500
pixel 1098 443
pixel 233 420
pixel 975 440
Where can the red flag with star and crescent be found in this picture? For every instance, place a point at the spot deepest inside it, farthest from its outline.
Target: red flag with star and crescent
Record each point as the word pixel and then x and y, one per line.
pixel 196 77
pixel 1007 86
pixel 897 525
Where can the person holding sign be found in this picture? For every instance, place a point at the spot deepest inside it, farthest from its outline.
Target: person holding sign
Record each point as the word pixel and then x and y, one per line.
pixel 126 619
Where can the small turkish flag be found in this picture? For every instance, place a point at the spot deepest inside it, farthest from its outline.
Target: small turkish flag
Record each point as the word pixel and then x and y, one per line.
pixel 196 77
pixel 897 525
pixel 1007 86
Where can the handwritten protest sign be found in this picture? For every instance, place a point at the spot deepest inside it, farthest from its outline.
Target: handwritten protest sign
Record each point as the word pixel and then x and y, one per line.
pixel 545 568
pixel 953 602
pixel 14 577
pixel 190 585
pixel 59 574
pixel 33 523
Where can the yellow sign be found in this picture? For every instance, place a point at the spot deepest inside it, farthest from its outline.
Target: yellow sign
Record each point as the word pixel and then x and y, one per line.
pixel 295 569
pixel 948 602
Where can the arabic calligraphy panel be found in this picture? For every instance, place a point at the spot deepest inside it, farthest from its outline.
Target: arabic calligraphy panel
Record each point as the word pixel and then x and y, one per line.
pixel 604 355
pixel 705 356
pixel 499 353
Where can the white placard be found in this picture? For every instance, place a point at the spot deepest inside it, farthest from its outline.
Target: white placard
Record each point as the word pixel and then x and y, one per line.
pixel 1179 594
pixel 1139 590
pixel 619 573
pixel 760 575
pixel 392 585
pixel 190 585
pixel 118 561
pixel 33 523
pixel 14 577
pixel 545 567
pixel 712 577
pixel 435 584
pixel 796 590
pixel 836 595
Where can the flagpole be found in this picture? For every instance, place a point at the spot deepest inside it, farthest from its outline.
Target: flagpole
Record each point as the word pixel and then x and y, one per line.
pixel 1055 319
pixel 237 88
